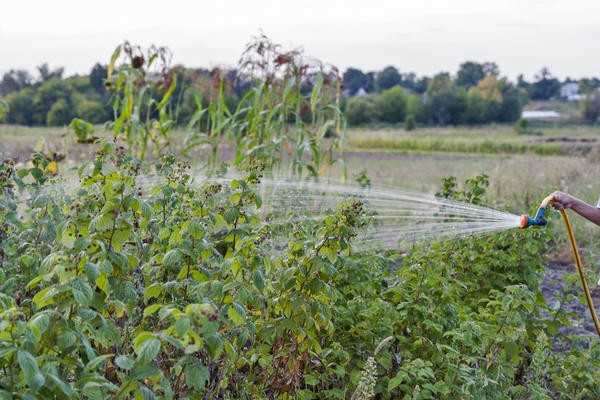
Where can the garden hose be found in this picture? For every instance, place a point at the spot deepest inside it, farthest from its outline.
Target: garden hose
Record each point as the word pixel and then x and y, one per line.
pixel 579 265
pixel 539 220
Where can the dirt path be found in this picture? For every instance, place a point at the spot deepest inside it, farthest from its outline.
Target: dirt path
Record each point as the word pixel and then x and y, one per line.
pixel 555 284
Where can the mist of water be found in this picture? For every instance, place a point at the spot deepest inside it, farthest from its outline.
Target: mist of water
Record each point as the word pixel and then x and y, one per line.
pixel 399 217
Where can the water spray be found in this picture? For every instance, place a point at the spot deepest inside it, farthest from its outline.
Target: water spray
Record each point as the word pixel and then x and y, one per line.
pixel 526 221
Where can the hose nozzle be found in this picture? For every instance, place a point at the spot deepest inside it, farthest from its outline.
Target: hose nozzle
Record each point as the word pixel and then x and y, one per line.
pixel 526 221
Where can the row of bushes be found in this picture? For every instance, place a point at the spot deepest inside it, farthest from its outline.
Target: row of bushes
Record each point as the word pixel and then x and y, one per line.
pixel 55 101
pixel 444 103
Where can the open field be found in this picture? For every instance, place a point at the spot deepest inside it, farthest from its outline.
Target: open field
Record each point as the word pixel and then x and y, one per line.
pixel 489 140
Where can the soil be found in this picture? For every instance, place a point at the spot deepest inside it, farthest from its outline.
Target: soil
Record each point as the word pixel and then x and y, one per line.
pixel 554 284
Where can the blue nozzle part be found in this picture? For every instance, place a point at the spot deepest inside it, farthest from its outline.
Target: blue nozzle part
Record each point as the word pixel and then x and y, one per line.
pixel 537 220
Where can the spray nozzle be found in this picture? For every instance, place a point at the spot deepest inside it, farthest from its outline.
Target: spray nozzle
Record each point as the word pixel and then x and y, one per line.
pixel 538 220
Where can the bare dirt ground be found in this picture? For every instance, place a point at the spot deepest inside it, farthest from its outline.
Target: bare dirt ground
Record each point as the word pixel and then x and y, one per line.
pixel 555 284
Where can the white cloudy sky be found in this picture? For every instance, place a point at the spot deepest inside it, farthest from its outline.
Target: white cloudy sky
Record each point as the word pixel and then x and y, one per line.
pixel 424 36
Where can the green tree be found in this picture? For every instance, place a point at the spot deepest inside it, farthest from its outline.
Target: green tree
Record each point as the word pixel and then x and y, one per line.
pixel 545 87
pixel 97 77
pixel 470 72
pixel 361 110
pixel 388 78
pixel 60 114
pixel 446 103
pixel 354 79
pixel 47 95
pixel 93 111
pixel 21 107
pixel 391 105
pixel 15 80
pixel 591 108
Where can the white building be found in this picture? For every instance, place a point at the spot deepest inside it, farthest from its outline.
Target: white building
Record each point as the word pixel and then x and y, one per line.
pixel 570 92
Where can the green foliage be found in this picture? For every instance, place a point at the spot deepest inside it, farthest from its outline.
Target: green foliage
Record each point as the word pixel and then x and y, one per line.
pixel 523 127
pixel 135 288
pixel 3 110
pixel 391 105
pixel 83 130
pixel 361 110
pixel 388 78
pixel 409 123
pixel 591 108
pixel 176 291
pixel 60 113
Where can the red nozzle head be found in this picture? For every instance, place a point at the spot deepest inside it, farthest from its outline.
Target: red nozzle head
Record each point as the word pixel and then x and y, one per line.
pixel 523 221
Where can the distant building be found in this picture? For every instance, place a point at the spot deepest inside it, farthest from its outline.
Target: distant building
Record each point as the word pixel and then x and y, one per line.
pixel 540 115
pixel 570 92
pixel 361 92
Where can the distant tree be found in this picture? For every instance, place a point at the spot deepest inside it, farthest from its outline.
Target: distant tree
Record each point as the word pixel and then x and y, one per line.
pixel 446 102
pixel 415 108
pixel 471 72
pixel 97 77
pixel 522 82
pixel 3 110
pixel 361 110
pixel 591 108
pixel 388 78
pixel 46 73
pixel 21 108
pixel 14 80
pixel 588 85
pixel 370 82
pixel 92 111
pixel 545 87
pixel 391 105
pixel 48 93
pixel 409 123
pixel 60 114
pixel 354 79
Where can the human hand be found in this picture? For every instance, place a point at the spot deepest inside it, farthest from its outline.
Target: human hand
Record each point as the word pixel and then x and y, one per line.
pixel 562 200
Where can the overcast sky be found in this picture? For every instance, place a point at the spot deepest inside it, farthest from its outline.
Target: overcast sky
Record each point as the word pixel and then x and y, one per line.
pixel 424 36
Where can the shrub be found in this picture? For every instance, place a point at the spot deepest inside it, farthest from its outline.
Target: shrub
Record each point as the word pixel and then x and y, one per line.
pixel 93 111
pixel 361 110
pixel 60 114
pixel 391 105
pixel 591 108
pixel 523 127
pixel 83 130
pixel 3 110
pixel 409 123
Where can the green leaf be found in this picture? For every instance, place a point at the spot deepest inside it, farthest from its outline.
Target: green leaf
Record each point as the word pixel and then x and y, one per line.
pixel 33 376
pixel 45 297
pixel 397 380
pixel 196 375
pixel 68 236
pixel 172 258
pixel 124 362
pixel 236 313
pixel 82 292
pixel 64 387
pixel 152 309
pixel 39 323
pixel 97 361
pixel 102 283
pixel 146 346
pixel 153 291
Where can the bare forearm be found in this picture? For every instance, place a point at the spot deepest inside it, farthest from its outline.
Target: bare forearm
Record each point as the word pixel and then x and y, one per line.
pixel 587 211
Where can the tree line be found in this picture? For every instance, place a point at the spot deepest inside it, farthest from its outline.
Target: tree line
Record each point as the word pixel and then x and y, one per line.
pixel 476 94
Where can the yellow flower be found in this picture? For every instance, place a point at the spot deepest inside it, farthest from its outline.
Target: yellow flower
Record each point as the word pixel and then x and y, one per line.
pixel 52 167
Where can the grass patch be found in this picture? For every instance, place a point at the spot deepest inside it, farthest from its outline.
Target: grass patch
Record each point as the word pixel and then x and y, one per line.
pixel 454 145
pixel 489 139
